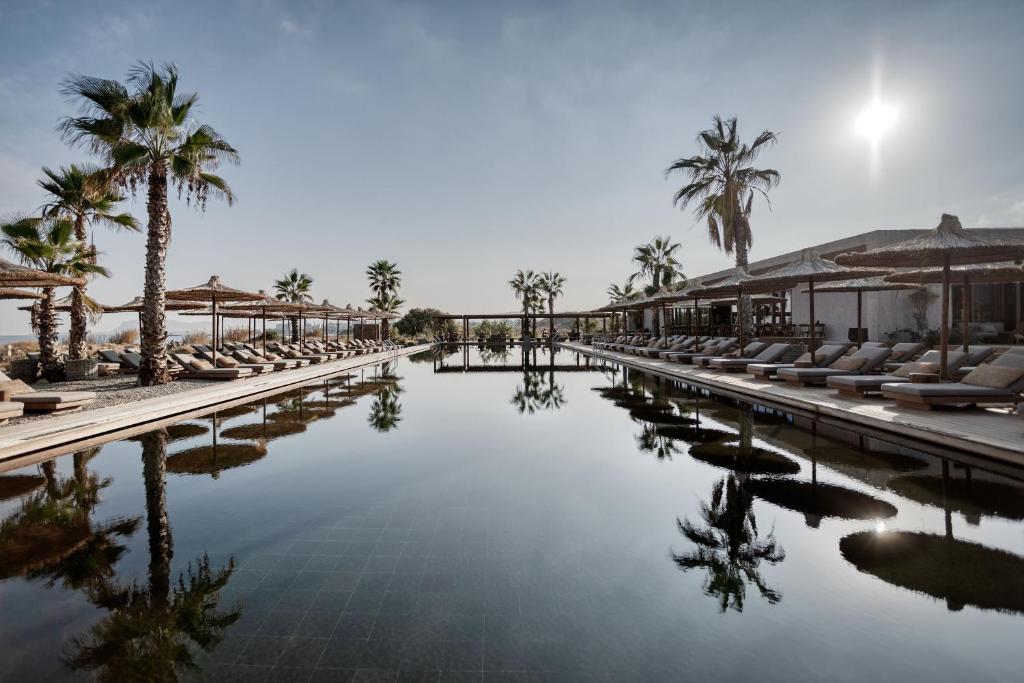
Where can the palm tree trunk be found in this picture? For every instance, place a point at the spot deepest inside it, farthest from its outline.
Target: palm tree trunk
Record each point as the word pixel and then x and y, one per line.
pixel 744 306
pixel 154 475
pixel 551 320
pixel 295 329
pixel 78 329
pixel 47 330
pixel 153 369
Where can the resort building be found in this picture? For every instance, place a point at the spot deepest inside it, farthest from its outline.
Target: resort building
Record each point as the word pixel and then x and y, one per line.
pixel 997 310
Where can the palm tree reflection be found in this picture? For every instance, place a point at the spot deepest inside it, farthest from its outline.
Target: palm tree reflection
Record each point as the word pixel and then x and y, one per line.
pixel 152 631
pixel 650 440
pixel 386 411
pixel 534 394
pixel 729 547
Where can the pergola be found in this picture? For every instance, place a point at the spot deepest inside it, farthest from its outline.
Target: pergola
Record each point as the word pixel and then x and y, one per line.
pixel 564 315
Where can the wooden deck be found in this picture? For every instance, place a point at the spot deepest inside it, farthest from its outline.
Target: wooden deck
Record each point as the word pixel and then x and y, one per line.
pixel 989 433
pixel 58 433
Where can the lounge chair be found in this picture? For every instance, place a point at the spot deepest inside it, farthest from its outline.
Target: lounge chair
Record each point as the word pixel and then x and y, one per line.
pixel 748 352
pixel 248 358
pixel 859 386
pixel 10 409
pixel 682 345
pixel 768 353
pixel 225 360
pixel 1000 381
pixel 198 368
pixel 864 362
pixel 653 348
pixel 16 391
pixel 710 349
pixel 825 355
pixel 294 354
pixel 976 356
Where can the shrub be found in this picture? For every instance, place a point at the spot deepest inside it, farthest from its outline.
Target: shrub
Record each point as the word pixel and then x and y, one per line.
pixel 236 334
pixel 124 337
pixel 190 338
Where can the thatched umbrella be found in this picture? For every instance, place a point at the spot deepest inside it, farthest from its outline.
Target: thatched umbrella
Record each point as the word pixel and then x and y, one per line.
pixel 268 304
pixel 861 285
pixel 333 312
pixel 733 285
pixel 213 291
pixel 809 270
pixel 968 274
pixel 14 293
pixel 137 304
pixel 948 244
pixel 16 275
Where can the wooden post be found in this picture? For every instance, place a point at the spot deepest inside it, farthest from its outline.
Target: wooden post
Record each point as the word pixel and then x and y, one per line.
pixel 215 340
pixel 966 306
pixel 944 332
pixel 860 310
pixel 810 292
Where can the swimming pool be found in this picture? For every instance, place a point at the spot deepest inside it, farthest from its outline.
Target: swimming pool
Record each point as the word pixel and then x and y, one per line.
pixel 490 514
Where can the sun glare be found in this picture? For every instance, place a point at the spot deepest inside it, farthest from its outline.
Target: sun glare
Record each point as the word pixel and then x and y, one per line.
pixel 876 120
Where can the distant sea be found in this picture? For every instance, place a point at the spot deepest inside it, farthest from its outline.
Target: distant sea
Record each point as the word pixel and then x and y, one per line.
pixel 11 338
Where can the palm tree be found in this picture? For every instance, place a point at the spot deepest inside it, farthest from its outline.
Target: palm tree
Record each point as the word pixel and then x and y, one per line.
pixel 615 292
pixel 294 287
pixel 657 261
pixel 49 244
pixel 524 286
pixel 722 183
pixel 385 281
pixel 729 547
pixel 83 193
pixel 551 283
pixel 145 131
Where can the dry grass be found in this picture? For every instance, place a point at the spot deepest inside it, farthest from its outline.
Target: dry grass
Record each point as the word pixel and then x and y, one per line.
pixel 236 334
pixel 127 337
pixel 195 338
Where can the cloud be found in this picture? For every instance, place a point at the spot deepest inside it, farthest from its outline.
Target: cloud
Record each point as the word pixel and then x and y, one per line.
pixel 290 27
pixel 1017 212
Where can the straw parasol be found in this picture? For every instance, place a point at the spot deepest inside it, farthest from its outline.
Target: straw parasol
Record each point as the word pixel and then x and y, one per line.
pixel 268 304
pixel 732 285
pixel 16 275
pixel 14 293
pixel 809 269
pixel 137 304
pixel 213 291
pixel 337 313
pixel 948 244
pixel 868 284
pixel 968 274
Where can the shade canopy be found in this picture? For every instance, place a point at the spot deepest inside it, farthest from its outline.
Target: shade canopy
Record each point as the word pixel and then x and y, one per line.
pixel 731 284
pixel 976 273
pixel 867 284
pixel 353 313
pixel 949 239
pixel 267 302
pixel 214 290
pixel 16 275
pixel 13 293
pixel 137 304
pixel 809 268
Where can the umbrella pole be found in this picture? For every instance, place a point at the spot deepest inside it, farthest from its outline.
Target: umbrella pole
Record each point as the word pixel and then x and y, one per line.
pixel 966 313
pixel 944 332
pixel 810 343
pixel 215 336
pixel 860 309
pixel 739 318
pixel 264 330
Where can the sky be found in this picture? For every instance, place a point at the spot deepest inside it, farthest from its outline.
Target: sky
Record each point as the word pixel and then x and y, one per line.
pixel 464 140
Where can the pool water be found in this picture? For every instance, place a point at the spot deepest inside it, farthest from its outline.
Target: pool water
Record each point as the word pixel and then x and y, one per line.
pixel 458 516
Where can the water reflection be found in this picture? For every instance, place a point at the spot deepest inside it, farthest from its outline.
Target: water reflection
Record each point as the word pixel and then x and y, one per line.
pixel 816 500
pixel 151 631
pixel 972 497
pixel 536 393
pixel 729 547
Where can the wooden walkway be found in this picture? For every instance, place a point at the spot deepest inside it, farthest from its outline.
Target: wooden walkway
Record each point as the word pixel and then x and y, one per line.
pixel 46 437
pixel 989 433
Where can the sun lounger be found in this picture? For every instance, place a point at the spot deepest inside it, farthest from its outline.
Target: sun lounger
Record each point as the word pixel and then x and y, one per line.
pixel 198 368
pixel 748 353
pixel 1000 381
pixel 865 361
pixel 295 354
pixel 16 391
pixel 976 356
pixel 248 358
pixel 859 386
pixel 10 409
pixel 824 356
pixel 681 346
pixel 768 353
pixel 710 349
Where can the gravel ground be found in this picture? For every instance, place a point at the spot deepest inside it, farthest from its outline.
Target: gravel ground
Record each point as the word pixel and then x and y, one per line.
pixel 113 391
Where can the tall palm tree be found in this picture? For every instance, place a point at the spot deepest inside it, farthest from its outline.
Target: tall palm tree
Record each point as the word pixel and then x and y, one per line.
pixel 551 283
pixel 84 194
pixel 49 244
pixel 145 130
pixel 294 287
pixel 729 546
pixel 524 286
pixel 385 280
pixel 656 260
pixel 722 183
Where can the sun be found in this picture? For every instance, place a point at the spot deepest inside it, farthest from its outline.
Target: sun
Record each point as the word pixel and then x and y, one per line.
pixel 876 120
